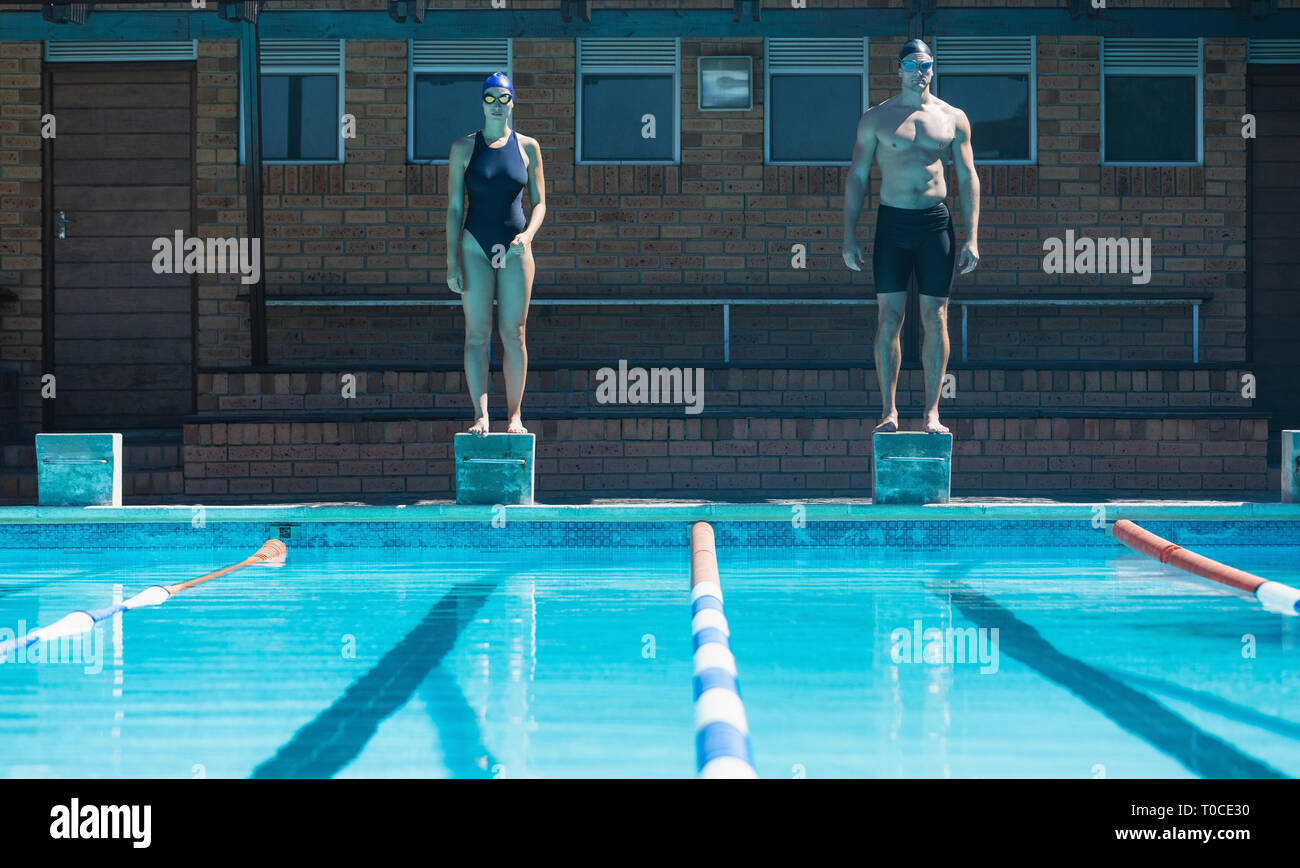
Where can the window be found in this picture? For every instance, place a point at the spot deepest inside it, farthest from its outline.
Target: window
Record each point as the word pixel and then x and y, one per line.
pixel 992 80
pixel 302 101
pixel 816 92
pixel 628 101
pixel 446 91
pixel 1151 102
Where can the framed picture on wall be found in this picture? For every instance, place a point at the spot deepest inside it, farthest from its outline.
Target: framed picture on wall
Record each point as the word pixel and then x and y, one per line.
pixel 726 83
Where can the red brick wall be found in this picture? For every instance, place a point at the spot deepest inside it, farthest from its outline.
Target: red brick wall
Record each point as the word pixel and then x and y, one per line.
pixel 20 233
pixel 719 219
pixel 723 222
pixel 222 333
pixel 611 228
pixel 722 458
pixel 732 389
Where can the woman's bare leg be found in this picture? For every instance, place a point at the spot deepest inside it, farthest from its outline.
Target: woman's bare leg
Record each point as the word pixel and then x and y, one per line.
pixel 515 290
pixel 476 301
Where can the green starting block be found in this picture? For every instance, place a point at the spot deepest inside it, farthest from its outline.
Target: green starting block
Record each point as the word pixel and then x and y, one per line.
pixel 494 468
pixel 79 469
pixel 911 467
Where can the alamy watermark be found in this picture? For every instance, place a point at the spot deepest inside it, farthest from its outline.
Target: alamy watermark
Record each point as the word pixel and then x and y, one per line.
pixel 934 645
pixel 75 820
pixel 181 255
pixel 1098 256
pixel 84 649
pixel 651 386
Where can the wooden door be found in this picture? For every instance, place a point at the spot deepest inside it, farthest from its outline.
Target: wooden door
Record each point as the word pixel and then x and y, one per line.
pixel 122 174
pixel 1274 301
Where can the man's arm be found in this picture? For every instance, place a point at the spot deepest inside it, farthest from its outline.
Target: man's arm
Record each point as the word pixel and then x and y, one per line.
pixel 855 185
pixel 968 185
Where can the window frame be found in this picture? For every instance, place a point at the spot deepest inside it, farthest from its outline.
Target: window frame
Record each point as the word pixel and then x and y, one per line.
pixel 302 69
pixel 487 67
pixel 821 69
pixel 995 69
pixel 629 68
pixel 1199 89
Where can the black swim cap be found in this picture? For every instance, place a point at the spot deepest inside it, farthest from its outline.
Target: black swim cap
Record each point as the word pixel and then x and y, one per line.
pixel 914 46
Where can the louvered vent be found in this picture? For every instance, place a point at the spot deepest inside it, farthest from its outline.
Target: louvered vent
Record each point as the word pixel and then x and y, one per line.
pixel 983 54
pixel 1273 51
pixel 1146 55
pixel 300 54
pixel 67 50
pixel 458 55
pixel 832 55
pixel 617 55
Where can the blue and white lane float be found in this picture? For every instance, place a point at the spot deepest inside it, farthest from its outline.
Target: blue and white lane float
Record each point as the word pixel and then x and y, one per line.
pixel 721 730
pixel 272 551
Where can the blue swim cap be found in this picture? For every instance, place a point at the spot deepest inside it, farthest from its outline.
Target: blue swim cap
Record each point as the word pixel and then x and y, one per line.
pixel 914 46
pixel 498 79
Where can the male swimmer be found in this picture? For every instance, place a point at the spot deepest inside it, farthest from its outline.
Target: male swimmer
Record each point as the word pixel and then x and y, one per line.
pixel 910 135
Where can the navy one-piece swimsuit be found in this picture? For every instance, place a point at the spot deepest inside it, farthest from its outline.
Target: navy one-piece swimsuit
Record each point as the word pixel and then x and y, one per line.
pixel 495 180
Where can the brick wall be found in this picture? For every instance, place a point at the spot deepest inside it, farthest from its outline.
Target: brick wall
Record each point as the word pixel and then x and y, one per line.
pixel 751 456
pixel 720 222
pixel 720 218
pixel 727 390
pixel 723 222
pixel 9 417
pixel 20 233
pixel 222 332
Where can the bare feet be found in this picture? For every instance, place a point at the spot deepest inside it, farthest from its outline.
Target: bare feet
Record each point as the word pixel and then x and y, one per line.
pixel 480 427
pixel 888 425
pixel 934 426
pixel 516 426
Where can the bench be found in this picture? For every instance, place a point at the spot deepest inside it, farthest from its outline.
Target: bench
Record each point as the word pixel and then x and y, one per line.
pixel 1195 301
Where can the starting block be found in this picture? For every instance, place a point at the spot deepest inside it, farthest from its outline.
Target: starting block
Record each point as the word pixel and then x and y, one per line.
pixel 79 469
pixel 1291 466
pixel 911 467
pixel 494 468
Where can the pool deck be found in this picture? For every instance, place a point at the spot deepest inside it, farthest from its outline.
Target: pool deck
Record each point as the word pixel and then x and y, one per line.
pixel 633 510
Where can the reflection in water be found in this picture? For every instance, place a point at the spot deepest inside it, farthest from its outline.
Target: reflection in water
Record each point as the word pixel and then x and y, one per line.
pixel 1136 712
pixel 338 734
pixel 119 673
pixel 465 724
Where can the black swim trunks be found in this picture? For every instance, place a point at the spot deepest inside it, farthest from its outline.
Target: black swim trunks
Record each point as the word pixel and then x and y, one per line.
pixel 920 240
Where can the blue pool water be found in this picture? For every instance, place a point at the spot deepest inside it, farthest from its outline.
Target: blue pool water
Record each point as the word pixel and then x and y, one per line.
pixel 519 662
pixel 1086 642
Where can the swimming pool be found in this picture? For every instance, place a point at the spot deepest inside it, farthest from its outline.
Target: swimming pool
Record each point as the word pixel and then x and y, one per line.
pixel 563 649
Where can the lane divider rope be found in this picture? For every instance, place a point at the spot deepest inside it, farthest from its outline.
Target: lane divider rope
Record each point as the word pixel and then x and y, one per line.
pixel 273 550
pixel 1275 596
pixel 721 730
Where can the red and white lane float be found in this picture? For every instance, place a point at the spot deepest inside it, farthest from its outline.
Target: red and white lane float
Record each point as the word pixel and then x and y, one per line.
pixel 272 552
pixel 1275 596
pixel 721 730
